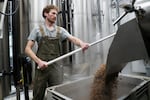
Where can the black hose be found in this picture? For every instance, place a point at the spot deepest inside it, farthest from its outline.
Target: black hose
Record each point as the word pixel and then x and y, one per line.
pixel 9 14
pixel 133 2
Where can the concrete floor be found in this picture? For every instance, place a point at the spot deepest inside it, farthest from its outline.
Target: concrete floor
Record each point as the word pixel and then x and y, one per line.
pixel 22 97
pixel 67 78
pixel 13 95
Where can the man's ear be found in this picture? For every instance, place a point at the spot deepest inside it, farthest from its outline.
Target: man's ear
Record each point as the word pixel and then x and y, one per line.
pixel 45 14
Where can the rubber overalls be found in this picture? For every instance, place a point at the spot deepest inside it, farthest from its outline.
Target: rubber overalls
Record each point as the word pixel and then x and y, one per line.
pixel 49 48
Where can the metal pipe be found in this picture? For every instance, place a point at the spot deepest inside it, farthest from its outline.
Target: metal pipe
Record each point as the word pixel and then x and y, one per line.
pixel 1 74
pixel 2 19
pixel 63 13
pixel 77 50
pixel 118 19
pixel 117 11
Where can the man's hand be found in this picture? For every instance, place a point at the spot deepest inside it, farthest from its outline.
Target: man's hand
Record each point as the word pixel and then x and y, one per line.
pixel 42 65
pixel 84 46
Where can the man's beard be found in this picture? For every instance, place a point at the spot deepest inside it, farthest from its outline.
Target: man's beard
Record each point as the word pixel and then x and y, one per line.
pixel 51 21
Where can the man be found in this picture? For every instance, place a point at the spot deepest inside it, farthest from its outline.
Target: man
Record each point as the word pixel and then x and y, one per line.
pixel 48 36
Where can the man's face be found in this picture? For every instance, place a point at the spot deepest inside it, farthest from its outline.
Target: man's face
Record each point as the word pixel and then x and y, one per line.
pixel 51 16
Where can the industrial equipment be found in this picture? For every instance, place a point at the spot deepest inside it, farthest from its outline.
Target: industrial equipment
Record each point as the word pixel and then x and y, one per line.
pixel 129 88
pixel 132 38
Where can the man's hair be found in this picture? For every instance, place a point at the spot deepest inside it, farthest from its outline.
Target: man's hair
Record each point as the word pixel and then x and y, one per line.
pixel 48 8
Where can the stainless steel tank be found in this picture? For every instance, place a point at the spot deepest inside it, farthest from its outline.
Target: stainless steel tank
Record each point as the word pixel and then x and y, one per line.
pixel 4 60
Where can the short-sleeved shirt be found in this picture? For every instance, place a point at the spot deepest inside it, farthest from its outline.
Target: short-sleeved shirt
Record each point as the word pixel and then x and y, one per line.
pixel 36 35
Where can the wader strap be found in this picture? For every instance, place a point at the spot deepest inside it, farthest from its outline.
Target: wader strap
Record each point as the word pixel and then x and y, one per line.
pixel 58 31
pixel 58 35
pixel 42 30
pixel 43 33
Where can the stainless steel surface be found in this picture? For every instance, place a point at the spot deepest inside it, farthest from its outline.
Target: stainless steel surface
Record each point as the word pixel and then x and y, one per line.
pixel 4 58
pixel 2 18
pixel 80 89
pixel 92 21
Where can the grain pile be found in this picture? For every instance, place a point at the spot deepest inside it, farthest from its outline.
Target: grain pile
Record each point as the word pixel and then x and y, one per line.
pixel 104 86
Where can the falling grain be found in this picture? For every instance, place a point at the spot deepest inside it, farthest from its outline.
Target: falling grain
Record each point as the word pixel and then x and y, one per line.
pixel 104 86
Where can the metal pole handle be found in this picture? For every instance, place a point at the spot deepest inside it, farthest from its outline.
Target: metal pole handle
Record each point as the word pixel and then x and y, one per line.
pixel 77 50
pixel 118 19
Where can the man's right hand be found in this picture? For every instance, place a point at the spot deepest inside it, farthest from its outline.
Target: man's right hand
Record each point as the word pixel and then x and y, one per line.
pixel 42 65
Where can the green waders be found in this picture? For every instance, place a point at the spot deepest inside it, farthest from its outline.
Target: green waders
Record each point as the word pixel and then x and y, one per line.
pixel 49 48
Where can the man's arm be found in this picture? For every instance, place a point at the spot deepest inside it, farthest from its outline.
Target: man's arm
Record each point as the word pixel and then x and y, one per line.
pixel 78 42
pixel 30 53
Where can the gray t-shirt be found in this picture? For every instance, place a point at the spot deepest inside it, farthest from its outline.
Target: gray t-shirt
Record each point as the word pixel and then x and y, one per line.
pixel 36 35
